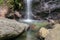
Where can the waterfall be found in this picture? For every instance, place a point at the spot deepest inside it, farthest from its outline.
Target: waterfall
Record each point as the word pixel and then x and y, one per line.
pixel 28 11
pixel 28 14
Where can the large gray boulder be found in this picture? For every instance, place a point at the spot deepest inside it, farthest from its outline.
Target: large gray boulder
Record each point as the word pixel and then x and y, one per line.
pixel 10 28
pixel 54 33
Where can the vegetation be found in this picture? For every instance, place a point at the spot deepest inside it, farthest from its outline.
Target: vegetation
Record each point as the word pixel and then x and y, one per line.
pixel 19 4
pixel 13 4
pixel 41 10
pixel 1 1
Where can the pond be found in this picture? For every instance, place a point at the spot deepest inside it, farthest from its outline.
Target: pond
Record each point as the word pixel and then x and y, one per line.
pixel 31 34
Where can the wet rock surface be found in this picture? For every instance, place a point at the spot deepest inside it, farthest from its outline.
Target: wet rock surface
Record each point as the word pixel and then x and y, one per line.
pixel 54 33
pixel 10 28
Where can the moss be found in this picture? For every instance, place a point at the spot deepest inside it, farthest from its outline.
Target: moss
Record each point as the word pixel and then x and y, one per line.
pixel 41 24
pixel 13 4
pixel 1 2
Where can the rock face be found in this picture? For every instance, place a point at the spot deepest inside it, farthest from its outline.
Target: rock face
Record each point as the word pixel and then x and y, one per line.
pixel 54 33
pixel 41 8
pixel 10 28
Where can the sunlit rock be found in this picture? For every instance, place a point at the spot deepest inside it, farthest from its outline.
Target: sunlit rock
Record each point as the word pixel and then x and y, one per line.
pixel 54 33
pixel 43 32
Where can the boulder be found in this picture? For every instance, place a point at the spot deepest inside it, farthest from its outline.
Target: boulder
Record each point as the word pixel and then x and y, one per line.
pixel 54 33
pixel 43 32
pixel 10 28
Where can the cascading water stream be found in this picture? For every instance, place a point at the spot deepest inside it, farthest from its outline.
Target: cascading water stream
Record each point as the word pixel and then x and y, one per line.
pixel 28 17
pixel 28 14
pixel 28 9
